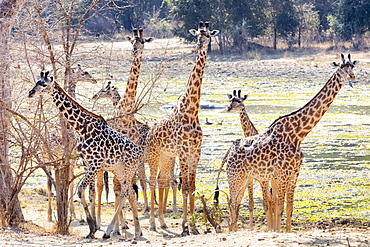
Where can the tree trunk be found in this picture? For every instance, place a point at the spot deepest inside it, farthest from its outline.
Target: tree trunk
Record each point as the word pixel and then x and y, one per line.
pixel 10 210
pixel 275 39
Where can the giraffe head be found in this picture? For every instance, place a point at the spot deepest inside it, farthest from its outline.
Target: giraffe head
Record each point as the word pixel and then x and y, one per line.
pixel 236 101
pixel 203 35
pixel 109 91
pixel 138 41
pixel 78 74
pixel 43 85
pixel 345 67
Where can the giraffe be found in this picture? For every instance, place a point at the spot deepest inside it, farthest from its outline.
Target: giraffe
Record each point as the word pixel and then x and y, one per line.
pixel 275 155
pixel 237 104
pixel 111 92
pixel 77 75
pixel 124 120
pixel 179 135
pixel 100 146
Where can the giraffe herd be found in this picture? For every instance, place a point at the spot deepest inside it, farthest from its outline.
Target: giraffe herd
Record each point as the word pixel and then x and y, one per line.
pixel 123 145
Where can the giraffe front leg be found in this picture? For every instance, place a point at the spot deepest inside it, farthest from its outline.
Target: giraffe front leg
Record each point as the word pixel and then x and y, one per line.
pixel 90 220
pixel 88 180
pixel 135 215
pixel 113 224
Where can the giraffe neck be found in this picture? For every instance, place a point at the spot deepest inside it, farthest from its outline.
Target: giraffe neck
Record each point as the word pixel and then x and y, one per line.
pixel 127 102
pixel 247 125
pixel 77 116
pixel 190 100
pixel 299 123
pixel 116 97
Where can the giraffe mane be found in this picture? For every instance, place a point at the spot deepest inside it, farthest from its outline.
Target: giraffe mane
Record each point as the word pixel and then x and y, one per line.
pixel 78 104
pixel 294 112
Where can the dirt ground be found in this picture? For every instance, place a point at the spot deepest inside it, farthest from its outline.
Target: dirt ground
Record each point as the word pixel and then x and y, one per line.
pixel 39 232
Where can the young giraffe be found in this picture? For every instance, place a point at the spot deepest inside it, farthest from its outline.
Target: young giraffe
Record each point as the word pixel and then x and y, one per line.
pixel 237 104
pixel 111 92
pixel 276 156
pixel 179 134
pixel 100 146
pixel 78 75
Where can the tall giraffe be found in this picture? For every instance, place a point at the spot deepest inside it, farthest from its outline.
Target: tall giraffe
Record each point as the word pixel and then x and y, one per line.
pixel 100 146
pixel 237 104
pixel 275 155
pixel 179 135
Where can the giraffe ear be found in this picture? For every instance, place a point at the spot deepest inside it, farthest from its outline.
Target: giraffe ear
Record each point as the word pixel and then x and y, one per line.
pixel 147 40
pixel 335 64
pixel 245 97
pixel 229 96
pixel 355 62
pixel 214 32
pixel 193 32
pixel 51 79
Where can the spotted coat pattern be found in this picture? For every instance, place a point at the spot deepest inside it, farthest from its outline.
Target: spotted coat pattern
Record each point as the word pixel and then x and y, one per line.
pixel 100 146
pixel 179 135
pixel 275 155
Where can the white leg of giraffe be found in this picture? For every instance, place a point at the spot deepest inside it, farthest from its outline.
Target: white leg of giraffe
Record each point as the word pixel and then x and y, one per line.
pixel 88 180
pixel 100 187
pixel 127 191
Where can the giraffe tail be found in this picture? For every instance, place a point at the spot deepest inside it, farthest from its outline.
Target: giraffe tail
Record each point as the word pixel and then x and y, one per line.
pixel 217 190
pixel 136 189
pixel 106 184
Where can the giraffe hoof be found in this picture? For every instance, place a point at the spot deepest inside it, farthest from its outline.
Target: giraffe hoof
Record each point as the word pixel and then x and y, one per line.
pixel 90 236
pixel 195 232
pixel 185 233
pixel 164 226
pixel 154 229
pixel 106 236
pixel 125 227
pixel 116 233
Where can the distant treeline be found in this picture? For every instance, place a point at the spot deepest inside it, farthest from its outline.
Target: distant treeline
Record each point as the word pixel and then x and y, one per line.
pixel 243 23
